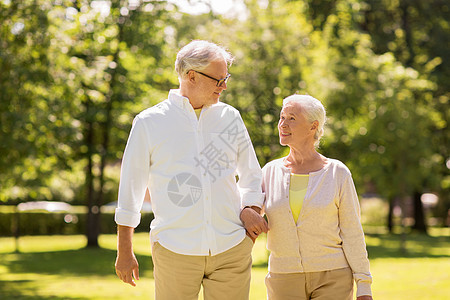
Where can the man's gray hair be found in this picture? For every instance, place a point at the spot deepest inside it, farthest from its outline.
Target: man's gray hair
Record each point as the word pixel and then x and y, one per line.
pixel 197 55
pixel 313 110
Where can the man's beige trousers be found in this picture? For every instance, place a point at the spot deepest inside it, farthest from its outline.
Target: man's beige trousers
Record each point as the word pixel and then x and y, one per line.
pixel 223 276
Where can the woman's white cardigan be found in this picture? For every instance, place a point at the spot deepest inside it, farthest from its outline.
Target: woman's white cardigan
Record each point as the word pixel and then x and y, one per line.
pixel 328 234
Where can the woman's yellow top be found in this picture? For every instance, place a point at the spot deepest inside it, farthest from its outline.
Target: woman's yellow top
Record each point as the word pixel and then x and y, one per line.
pixel 297 192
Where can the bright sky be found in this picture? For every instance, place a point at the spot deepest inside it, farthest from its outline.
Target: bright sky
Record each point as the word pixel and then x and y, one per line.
pixel 231 8
pixel 225 7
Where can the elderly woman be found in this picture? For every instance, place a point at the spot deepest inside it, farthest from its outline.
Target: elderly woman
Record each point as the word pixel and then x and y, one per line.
pixel 316 239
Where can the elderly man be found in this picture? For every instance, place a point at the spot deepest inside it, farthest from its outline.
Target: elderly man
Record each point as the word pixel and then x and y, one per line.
pixel 188 150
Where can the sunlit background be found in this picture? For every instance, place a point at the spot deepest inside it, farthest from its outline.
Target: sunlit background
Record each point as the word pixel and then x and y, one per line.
pixel 74 73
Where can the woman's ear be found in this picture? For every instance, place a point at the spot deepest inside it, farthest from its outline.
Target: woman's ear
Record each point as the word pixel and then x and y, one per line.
pixel 315 125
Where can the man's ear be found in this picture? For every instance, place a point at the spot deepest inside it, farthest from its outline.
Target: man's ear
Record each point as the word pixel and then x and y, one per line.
pixel 191 76
pixel 315 125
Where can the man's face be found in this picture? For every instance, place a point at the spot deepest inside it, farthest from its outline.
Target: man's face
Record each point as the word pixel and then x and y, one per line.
pixel 207 91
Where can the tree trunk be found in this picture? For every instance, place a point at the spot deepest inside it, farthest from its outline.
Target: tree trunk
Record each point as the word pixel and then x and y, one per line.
pixel 419 215
pixel 404 5
pixel 390 216
pixel 92 220
pixel 93 225
pixel 94 214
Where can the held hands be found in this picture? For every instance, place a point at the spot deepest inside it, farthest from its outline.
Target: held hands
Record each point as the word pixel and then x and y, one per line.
pixel 253 222
pixel 127 268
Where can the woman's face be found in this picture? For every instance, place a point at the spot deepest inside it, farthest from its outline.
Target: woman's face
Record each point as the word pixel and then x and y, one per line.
pixel 293 126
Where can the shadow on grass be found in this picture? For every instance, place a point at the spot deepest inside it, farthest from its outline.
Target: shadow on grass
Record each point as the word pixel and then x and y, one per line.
pixel 77 263
pixel 82 262
pixel 411 245
pixel 26 290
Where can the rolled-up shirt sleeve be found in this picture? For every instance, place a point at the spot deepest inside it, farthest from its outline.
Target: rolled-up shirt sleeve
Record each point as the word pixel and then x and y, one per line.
pixel 249 172
pixel 134 176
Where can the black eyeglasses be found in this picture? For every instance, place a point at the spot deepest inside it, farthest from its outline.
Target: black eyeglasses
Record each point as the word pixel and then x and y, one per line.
pixel 220 82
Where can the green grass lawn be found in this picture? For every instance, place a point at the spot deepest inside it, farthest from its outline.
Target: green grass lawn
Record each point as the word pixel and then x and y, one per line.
pixel 59 267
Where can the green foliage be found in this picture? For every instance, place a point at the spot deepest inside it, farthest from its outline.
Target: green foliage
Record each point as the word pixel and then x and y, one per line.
pixel 387 117
pixel 74 74
pixel 416 33
pixel 374 212
pixel 27 139
pixel 73 79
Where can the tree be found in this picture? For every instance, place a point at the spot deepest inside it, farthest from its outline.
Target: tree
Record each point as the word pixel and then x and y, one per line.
pixel 383 108
pixel 417 33
pixel 107 50
pixel 30 147
pixel 80 72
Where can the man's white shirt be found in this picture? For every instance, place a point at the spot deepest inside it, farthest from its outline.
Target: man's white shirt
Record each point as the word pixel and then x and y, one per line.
pixel 190 166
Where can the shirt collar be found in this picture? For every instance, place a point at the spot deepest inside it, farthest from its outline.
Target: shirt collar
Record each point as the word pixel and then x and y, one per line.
pixel 180 101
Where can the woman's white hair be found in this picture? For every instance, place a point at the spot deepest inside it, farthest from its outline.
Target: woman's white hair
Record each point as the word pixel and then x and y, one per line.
pixel 313 110
pixel 198 54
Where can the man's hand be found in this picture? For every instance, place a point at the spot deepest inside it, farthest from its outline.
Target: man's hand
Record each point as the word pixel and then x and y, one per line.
pixel 365 297
pixel 253 222
pixel 127 268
